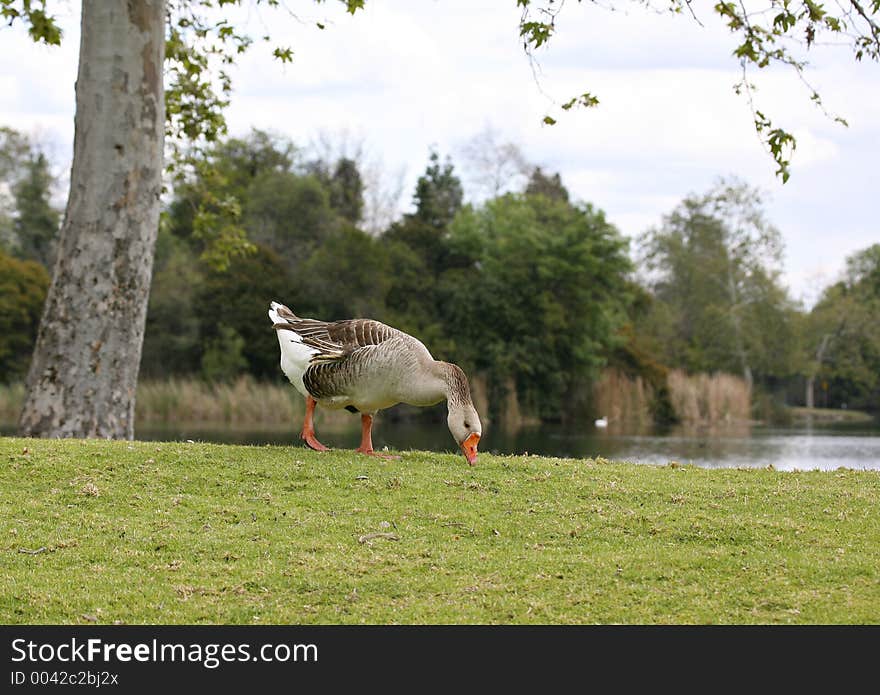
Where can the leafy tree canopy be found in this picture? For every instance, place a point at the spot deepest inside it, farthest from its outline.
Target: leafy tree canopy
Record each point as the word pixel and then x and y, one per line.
pixel 23 287
pixel 37 222
pixel 714 271
pixel 542 296
pixel 28 222
pixel 842 333
pixel 546 185
pixel 438 193
pixel 345 185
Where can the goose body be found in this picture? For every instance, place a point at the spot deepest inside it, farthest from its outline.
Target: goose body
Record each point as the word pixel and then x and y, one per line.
pixel 366 366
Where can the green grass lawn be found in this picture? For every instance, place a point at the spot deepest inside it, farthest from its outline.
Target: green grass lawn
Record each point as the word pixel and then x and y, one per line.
pixel 145 532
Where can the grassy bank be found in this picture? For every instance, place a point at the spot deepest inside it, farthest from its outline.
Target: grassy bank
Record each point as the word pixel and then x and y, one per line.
pixel 96 531
pixel 802 415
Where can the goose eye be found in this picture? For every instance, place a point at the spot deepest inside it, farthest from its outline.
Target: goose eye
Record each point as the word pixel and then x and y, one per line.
pixel 467 425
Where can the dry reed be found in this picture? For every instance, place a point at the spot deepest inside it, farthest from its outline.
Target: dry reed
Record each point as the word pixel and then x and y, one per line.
pixel 11 400
pixel 698 398
pixel 709 398
pixel 622 399
pixel 244 401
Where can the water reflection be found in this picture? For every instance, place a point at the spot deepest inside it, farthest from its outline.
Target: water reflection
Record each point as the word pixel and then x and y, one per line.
pixel 791 448
pixel 824 447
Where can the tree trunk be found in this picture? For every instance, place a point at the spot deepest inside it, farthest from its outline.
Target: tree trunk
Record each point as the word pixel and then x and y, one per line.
pixel 811 379
pixel 83 375
pixel 740 347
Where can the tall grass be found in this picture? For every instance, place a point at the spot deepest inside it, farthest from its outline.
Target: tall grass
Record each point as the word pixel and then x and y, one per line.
pixel 623 399
pixel 244 400
pixel 709 398
pixel 699 398
pixel 11 400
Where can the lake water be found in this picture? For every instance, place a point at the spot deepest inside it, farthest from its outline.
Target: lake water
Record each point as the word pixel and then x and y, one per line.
pixel 824 447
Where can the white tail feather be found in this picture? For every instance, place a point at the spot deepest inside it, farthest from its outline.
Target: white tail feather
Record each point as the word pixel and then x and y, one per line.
pixel 273 313
pixel 295 357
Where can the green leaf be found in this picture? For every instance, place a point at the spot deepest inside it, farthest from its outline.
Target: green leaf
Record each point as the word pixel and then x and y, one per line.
pixel 586 100
pixel 42 27
pixel 535 33
pixel 285 55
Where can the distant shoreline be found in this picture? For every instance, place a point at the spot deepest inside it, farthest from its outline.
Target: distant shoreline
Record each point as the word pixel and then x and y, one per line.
pixel 801 414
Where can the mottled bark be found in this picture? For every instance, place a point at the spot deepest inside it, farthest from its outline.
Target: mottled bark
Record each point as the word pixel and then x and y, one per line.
pixel 84 371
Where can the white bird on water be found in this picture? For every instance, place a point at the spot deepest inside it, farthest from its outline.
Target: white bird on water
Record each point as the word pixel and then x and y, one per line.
pixel 602 422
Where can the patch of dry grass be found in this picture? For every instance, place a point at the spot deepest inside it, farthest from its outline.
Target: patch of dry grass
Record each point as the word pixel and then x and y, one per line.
pixel 243 401
pixel 11 399
pixel 623 399
pixel 695 399
pixel 711 398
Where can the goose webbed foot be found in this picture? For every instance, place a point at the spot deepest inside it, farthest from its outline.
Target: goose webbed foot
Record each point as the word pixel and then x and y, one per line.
pixel 366 446
pixel 312 442
pixel 308 430
pixel 370 452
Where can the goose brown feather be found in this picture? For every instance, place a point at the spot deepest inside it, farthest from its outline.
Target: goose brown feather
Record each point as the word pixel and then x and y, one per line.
pixel 366 365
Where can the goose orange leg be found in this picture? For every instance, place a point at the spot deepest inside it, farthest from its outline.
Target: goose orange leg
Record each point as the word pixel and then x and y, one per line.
pixel 308 430
pixel 366 446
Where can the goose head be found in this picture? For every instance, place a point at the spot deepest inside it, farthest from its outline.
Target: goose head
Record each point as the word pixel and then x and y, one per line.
pixel 464 424
pixel 463 421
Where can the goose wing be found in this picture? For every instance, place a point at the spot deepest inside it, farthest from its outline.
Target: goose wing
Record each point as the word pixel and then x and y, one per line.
pixel 333 341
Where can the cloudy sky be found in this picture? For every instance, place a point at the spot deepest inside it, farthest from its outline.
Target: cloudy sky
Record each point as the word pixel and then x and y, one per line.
pixel 406 75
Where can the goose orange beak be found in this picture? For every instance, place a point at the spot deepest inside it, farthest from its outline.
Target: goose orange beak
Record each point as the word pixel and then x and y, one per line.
pixel 469 448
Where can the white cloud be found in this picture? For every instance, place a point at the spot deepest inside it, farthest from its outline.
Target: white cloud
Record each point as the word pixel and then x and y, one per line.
pixel 410 74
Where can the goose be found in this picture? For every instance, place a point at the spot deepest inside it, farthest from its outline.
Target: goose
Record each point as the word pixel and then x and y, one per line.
pixel 365 366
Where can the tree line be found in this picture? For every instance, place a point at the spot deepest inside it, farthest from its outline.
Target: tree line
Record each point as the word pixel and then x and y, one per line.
pixel 83 374
pixel 529 289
